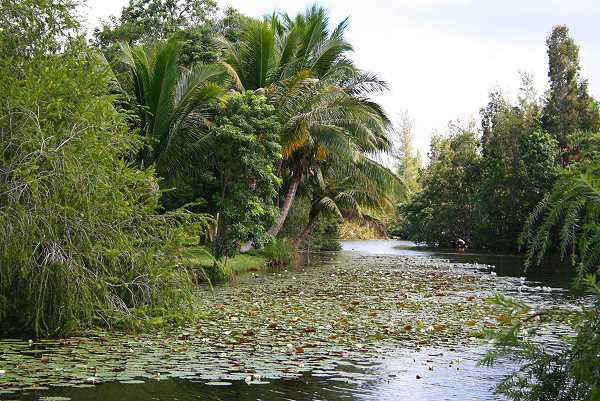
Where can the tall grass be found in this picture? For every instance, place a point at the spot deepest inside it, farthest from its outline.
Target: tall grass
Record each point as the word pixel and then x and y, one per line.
pixel 279 252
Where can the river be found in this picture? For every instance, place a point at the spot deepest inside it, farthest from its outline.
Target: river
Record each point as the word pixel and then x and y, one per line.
pixel 338 328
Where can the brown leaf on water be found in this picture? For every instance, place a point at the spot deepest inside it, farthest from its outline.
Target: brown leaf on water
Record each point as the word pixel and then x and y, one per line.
pixel 439 327
pixel 504 319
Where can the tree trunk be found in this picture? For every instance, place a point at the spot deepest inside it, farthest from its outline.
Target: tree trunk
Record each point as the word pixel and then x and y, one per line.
pixel 287 205
pixel 313 216
pixel 307 229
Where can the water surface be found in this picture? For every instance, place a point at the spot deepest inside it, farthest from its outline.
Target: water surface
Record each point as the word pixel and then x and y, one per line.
pixel 445 370
pixel 551 272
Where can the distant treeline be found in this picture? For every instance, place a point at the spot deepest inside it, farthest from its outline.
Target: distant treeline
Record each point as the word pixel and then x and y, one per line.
pixel 484 180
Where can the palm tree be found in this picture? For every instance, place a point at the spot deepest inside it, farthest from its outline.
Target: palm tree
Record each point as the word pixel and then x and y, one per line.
pixel 321 122
pixel 172 102
pixel 350 190
pixel 321 96
pixel 574 207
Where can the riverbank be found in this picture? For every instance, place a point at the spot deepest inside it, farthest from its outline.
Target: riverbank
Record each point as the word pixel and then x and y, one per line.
pixel 198 257
pixel 283 325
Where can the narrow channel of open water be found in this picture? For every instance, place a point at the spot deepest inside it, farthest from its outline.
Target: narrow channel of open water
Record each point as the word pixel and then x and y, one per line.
pixel 431 374
pixel 551 272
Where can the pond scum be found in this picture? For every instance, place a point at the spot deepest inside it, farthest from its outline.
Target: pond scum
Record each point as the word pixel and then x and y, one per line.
pixel 282 324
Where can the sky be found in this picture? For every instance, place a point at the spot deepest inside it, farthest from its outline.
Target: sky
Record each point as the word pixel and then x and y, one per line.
pixel 442 57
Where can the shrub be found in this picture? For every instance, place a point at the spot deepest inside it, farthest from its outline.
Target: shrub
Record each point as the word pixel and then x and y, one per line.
pixel 279 252
pixel 82 241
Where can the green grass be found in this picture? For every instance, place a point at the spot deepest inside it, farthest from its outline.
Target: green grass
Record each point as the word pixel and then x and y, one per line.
pixel 279 253
pixel 198 256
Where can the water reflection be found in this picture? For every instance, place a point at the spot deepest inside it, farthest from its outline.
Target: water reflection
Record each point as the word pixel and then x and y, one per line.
pixel 425 375
pixel 552 272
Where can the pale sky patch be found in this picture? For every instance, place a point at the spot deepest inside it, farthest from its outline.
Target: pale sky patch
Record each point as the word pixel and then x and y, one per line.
pixel 442 57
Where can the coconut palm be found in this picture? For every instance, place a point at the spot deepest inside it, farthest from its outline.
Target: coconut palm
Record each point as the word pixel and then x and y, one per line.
pixel 321 121
pixel 351 190
pixel 322 98
pixel 172 102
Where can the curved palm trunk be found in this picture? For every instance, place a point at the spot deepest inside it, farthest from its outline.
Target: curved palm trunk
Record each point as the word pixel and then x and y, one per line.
pixel 287 205
pixel 307 229
pixel 313 216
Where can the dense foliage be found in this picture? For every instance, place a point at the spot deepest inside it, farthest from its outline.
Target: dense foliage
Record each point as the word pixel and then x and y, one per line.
pixel 569 107
pixel 322 98
pixel 172 103
pixel 572 372
pixel 443 212
pixel 176 113
pixel 241 151
pixel 83 242
pixel 479 188
pixel 196 24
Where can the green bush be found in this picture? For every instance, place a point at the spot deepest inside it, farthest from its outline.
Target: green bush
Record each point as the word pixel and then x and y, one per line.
pixel 82 241
pixel 279 252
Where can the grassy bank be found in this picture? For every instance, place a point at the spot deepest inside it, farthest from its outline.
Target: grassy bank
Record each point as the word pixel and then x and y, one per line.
pixel 199 257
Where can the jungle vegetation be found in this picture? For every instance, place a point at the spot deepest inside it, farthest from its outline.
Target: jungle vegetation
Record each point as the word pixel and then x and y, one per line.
pixel 179 131
pixel 175 124
pixel 524 178
pixel 485 177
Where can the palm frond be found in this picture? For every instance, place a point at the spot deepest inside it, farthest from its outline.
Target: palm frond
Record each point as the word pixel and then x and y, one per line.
pixel 573 206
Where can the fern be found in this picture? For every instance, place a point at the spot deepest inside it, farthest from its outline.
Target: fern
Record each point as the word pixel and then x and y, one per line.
pixel 573 372
pixel 573 207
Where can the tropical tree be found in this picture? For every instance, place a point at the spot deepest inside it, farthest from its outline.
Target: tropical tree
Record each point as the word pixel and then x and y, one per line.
pixel 572 372
pixel 322 98
pixel 569 107
pixel 350 190
pixel 173 103
pixel 196 24
pixel 142 21
pixel 321 122
pixel 518 166
pixel 443 212
pixel 238 154
pixel 573 204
